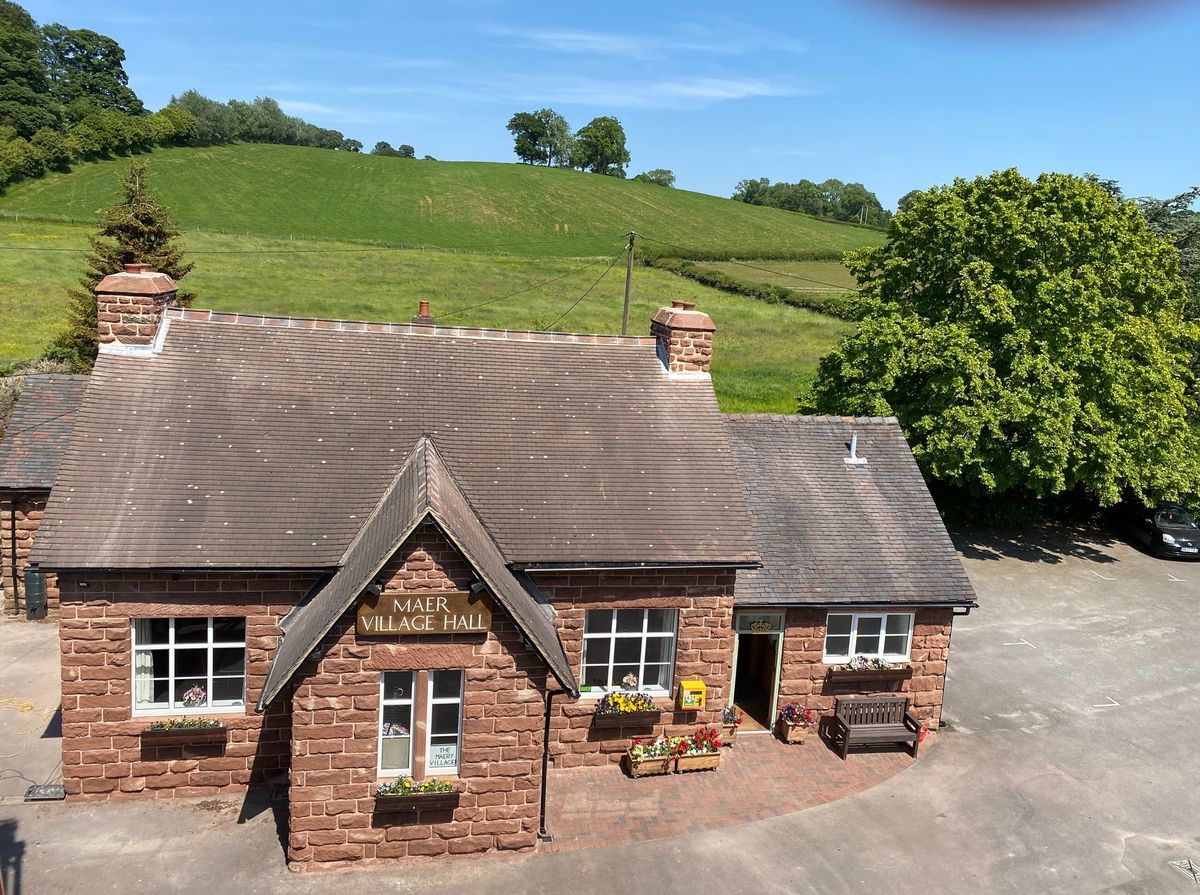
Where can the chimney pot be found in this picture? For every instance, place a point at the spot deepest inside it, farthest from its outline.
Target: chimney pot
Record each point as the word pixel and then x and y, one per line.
pixel 423 308
pixel 423 317
pixel 137 267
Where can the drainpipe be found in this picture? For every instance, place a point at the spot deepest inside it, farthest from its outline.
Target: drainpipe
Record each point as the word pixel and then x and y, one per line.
pixel 542 834
pixel 12 541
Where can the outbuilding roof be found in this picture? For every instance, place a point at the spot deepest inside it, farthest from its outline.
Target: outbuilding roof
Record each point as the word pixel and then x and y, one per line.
pixel 251 442
pixel 39 431
pixel 829 531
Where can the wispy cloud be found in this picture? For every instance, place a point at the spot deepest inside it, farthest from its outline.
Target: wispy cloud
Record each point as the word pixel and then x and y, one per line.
pixel 730 40
pixel 299 107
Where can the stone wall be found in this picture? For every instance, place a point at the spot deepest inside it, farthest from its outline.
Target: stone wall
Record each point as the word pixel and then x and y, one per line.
pixel 704 650
pixel 102 753
pixel 28 512
pixel 802 677
pixel 335 718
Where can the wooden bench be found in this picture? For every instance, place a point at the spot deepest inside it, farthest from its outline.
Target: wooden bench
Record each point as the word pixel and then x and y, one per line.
pixel 873 720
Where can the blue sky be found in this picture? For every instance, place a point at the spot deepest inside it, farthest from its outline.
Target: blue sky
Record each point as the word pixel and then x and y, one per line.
pixel 893 93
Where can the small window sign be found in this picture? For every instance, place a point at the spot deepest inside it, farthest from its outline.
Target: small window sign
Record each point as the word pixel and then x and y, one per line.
pixel 441 757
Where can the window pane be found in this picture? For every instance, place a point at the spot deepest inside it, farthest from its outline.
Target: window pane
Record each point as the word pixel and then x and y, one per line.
pixel 659 649
pixel 599 621
pixel 896 644
pixel 396 754
pixel 143 678
pixel 627 649
pixel 442 754
pixel 191 630
pixel 397 684
pixel 629 621
pixel 191 663
pixel 397 720
pixel 229 690
pixel 229 630
pixel 190 693
pixel 443 719
pixel 620 671
pixel 839 624
pixel 595 675
pixel 657 676
pixel 231 660
pixel 837 645
pixel 446 684
pixel 596 651
pixel 898 624
pixel 151 631
pixel 661 620
pixel 868 640
pixel 161 659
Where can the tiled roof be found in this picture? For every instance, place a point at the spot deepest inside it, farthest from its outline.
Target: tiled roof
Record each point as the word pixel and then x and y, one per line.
pixel 247 444
pixel 833 532
pixel 423 489
pixel 39 430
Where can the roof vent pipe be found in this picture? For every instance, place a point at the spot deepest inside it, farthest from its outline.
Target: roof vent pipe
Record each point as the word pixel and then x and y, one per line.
pixel 854 459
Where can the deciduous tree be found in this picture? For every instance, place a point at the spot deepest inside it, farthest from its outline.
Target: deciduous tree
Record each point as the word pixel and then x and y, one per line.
pixel 657 176
pixel 26 102
pixel 600 147
pixel 87 72
pixel 1030 338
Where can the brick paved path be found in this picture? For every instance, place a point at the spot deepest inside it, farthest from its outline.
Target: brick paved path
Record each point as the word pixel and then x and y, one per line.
pixel 759 777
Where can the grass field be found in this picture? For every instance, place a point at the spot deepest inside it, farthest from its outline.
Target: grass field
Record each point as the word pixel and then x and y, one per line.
pixel 763 351
pixel 809 276
pixel 296 192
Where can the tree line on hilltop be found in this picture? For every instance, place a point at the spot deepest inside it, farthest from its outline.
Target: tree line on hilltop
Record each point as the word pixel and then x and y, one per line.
pixel 850 202
pixel 545 138
pixel 65 97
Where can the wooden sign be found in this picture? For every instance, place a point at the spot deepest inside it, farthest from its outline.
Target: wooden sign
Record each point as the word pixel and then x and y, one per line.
pixel 424 612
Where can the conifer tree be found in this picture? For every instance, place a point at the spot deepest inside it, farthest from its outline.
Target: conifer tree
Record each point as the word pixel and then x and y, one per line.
pixel 137 229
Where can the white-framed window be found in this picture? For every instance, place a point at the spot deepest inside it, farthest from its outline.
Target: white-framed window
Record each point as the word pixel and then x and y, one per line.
pixel 189 665
pixel 444 724
pixel 876 635
pixel 395 722
pixel 433 749
pixel 620 644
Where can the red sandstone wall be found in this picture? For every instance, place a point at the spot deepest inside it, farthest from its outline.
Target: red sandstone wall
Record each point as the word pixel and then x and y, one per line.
pixel 102 754
pixel 335 722
pixel 28 519
pixel 802 677
pixel 704 650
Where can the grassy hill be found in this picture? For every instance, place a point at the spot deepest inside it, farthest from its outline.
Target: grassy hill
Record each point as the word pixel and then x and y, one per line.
pixel 295 192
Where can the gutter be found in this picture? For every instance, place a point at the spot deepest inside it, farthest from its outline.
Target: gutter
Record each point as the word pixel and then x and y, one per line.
pixel 628 566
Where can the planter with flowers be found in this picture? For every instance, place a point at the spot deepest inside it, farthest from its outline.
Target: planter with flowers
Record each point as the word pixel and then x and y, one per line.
pixel 184 732
pixel 625 709
pixel 731 720
pixel 699 752
pixel 647 758
pixel 794 723
pixel 862 671
pixel 406 796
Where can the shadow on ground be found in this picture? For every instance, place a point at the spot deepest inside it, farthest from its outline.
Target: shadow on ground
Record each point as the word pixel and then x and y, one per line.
pixel 1043 544
pixel 12 856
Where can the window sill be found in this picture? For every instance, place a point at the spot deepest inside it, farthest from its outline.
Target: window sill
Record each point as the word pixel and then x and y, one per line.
pixel 199 712
pixel 652 692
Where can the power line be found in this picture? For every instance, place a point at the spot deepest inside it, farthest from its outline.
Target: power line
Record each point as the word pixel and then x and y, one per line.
pixel 780 273
pixel 349 251
pixel 40 423
pixel 492 301
pixel 585 294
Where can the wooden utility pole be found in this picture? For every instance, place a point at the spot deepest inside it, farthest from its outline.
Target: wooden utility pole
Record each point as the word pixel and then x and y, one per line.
pixel 628 283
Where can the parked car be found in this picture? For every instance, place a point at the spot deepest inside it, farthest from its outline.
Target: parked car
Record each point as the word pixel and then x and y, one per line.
pixel 1168 530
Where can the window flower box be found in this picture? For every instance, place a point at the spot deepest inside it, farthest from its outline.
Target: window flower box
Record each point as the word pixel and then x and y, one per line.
pixel 407 797
pixel 185 732
pixel 872 678
pixel 625 710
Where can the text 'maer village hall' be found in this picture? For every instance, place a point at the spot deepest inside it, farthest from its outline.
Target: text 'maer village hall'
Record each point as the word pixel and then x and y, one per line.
pixel 384 550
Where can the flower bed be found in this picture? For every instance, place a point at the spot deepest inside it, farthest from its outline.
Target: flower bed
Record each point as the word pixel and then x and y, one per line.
pixel 625 710
pixel 184 731
pixel 699 752
pixel 407 796
pixel 794 723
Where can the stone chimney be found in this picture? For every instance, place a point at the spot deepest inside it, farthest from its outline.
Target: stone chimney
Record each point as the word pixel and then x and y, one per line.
pixel 130 306
pixel 684 336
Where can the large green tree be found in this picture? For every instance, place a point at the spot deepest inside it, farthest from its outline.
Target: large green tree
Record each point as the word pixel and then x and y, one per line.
pixel 600 147
pixel 87 72
pixel 1030 338
pixel 137 229
pixel 26 102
